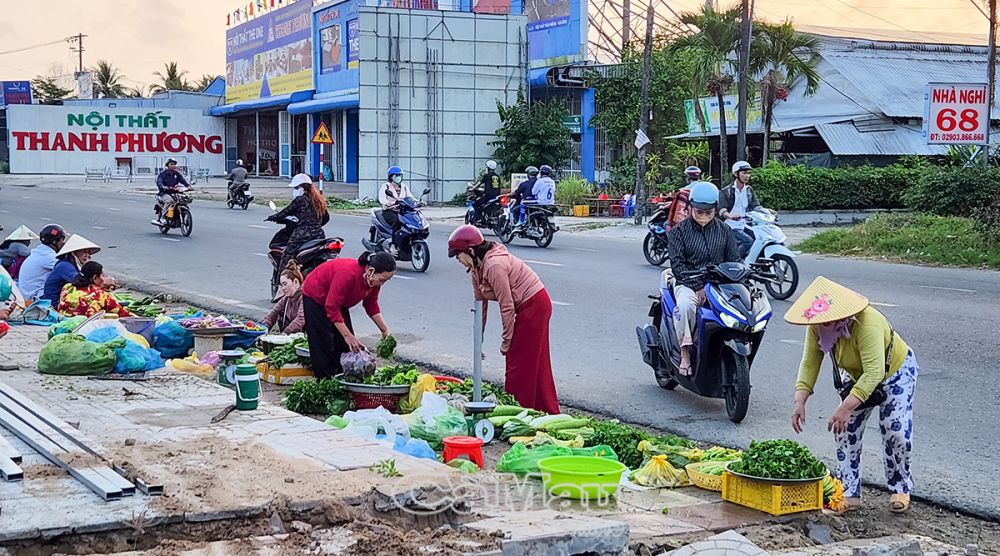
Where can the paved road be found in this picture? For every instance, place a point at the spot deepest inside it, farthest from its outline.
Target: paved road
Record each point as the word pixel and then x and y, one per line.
pixel 599 287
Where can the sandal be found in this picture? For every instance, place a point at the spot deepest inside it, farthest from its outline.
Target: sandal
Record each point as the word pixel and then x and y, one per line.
pixel 899 503
pixel 684 370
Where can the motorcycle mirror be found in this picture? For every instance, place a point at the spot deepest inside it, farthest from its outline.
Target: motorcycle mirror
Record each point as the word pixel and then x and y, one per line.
pixel 272 206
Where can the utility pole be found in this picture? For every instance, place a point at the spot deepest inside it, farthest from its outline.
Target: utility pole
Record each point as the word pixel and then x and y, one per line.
pixel 991 79
pixel 79 50
pixel 626 23
pixel 640 182
pixel 709 4
pixel 741 118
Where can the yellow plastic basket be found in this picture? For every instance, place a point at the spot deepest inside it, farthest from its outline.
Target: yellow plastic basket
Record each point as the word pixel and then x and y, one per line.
pixel 704 480
pixel 773 498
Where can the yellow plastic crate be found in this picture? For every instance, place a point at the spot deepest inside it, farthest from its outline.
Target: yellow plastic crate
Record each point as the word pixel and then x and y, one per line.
pixel 289 374
pixel 581 210
pixel 775 499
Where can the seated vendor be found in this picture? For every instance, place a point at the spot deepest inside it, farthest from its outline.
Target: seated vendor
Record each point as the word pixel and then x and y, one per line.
pixel 86 295
pixel 286 316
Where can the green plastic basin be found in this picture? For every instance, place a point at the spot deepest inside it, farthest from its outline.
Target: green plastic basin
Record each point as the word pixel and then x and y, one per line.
pixel 581 477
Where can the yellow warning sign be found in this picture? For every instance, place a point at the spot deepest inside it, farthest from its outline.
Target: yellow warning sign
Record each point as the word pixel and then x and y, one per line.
pixel 323 135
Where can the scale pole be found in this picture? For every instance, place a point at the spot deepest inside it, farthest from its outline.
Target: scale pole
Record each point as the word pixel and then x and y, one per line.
pixel 477 352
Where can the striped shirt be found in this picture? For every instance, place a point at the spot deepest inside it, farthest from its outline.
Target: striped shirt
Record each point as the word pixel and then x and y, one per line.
pixel 694 247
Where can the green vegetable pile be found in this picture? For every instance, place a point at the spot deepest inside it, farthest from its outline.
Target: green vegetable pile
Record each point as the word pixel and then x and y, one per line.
pixel 623 439
pixel 386 347
pixel 317 397
pixel 285 354
pixel 394 375
pixel 465 388
pixel 145 307
pixel 779 459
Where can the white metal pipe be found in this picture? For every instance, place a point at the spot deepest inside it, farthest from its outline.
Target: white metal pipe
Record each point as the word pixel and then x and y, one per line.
pixel 477 352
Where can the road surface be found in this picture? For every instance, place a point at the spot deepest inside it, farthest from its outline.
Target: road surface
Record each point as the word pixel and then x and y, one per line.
pixel 599 288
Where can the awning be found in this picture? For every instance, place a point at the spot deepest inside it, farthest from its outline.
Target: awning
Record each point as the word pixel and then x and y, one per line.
pixel 324 104
pixel 261 103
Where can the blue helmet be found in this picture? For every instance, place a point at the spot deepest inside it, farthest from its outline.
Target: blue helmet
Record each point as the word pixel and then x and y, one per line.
pixel 545 170
pixel 394 171
pixel 704 195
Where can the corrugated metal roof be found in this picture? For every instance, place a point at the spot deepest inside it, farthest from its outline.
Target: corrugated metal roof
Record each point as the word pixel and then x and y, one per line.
pixel 844 139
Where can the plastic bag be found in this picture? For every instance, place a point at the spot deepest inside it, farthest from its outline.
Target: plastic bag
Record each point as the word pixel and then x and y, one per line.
pixel 172 340
pixel 192 365
pixel 463 465
pixel 414 447
pixel 360 365
pixel 424 383
pixel 521 460
pixel 132 357
pixel 658 473
pixel 73 355
pixel 367 423
pixel 435 420
pixel 336 422
pixel 66 326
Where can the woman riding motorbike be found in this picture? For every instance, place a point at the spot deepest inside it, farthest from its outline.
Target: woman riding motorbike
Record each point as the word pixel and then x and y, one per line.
pixel 309 207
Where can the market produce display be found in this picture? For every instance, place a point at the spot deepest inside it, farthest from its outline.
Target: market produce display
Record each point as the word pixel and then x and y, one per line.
pixel 465 388
pixel 779 459
pixel 680 454
pixel 394 375
pixel 251 326
pixel 622 438
pixel 833 493
pixel 657 472
pixel 316 397
pixel 285 353
pixel 145 307
pixel 208 322
pixel 386 347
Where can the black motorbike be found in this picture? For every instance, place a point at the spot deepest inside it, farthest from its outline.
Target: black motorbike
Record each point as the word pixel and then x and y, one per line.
pixel 312 253
pixel 655 246
pixel 489 217
pixel 240 196
pixel 179 216
pixel 730 328
pixel 538 225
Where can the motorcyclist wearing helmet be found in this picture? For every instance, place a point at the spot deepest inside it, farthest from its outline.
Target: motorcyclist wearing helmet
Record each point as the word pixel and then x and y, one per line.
pixel 736 201
pixel 694 244
pixel 523 192
pixel 490 186
pixel 168 183
pixel 391 193
pixel 544 190
pixel 691 175
pixel 237 177
pixel 36 268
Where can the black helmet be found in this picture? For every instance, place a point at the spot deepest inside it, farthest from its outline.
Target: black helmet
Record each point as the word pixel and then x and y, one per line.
pixel 51 234
pixel 545 170
pixel 531 171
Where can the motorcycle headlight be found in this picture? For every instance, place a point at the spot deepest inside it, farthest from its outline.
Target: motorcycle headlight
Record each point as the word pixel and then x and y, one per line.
pixel 760 325
pixel 730 321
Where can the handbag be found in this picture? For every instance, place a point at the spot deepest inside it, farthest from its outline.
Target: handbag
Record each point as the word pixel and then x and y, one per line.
pixel 878 395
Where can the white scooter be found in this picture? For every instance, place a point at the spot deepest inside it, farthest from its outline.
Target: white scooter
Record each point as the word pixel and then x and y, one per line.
pixel 769 250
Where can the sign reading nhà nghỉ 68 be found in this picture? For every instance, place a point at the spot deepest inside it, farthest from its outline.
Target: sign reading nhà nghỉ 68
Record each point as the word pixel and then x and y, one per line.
pixel 67 139
pixel 957 114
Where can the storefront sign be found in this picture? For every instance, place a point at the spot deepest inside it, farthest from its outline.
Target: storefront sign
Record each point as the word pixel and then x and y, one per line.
pixel 353 44
pixel 270 55
pixel 15 92
pixel 573 123
pixel 67 139
pixel 332 49
pixel 956 114
pixel 708 122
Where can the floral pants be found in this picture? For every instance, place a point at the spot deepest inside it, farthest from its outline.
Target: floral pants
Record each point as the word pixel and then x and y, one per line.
pixel 896 425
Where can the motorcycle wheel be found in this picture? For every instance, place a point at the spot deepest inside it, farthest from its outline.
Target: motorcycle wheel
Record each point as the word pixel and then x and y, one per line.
pixel 229 203
pixel 468 218
pixel 187 223
pixel 788 272
pixel 164 228
pixel 246 203
pixel 546 238
pixel 507 232
pixel 738 394
pixel 655 255
pixel 420 256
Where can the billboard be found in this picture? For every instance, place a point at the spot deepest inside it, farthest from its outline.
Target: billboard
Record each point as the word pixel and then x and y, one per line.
pixel 15 92
pixel 557 32
pixel 332 48
pixel 270 55
pixel 353 44
pixel 710 112
pixel 956 114
pixel 67 139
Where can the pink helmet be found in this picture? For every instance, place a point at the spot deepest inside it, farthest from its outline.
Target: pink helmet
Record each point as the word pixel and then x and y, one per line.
pixel 464 237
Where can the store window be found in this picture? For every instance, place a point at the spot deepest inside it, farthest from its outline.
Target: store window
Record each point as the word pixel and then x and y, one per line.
pixel 300 143
pixel 267 150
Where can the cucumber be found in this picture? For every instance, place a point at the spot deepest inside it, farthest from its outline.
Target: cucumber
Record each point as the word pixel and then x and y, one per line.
pixel 571 423
pixel 504 410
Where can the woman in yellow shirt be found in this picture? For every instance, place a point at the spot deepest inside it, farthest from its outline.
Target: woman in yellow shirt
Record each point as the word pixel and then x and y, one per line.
pixel 882 371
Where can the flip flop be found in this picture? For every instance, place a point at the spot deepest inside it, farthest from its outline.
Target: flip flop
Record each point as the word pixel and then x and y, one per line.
pixel 899 503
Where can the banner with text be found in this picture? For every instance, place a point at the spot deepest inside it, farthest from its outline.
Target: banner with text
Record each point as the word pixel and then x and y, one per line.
pixel 67 139
pixel 708 120
pixel 956 114
pixel 270 55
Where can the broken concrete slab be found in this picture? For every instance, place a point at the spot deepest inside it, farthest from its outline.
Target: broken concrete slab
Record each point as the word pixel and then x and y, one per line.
pixel 556 534
pixel 729 543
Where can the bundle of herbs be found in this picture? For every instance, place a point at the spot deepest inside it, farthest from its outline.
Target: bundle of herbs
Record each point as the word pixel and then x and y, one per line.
pixel 317 397
pixel 394 375
pixel 779 459
pixel 284 354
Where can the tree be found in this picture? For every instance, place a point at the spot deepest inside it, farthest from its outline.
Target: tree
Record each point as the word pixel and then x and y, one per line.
pixel 532 135
pixel 46 91
pixel 139 91
pixel 172 79
pixel 783 55
pixel 711 48
pixel 203 83
pixel 107 80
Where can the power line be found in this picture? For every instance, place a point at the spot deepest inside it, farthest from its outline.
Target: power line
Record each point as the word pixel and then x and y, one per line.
pixel 67 39
pixel 973 2
pixel 869 14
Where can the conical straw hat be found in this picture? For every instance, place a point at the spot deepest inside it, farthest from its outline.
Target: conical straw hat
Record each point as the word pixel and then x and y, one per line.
pixel 825 301
pixel 22 233
pixel 78 243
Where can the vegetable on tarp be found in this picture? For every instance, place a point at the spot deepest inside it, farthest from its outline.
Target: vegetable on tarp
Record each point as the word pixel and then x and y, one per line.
pixel 624 439
pixel 73 355
pixel 316 397
pixel 779 459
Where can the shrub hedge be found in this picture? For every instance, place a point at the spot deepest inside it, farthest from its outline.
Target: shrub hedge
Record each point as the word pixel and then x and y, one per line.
pixel 861 187
pixel 954 191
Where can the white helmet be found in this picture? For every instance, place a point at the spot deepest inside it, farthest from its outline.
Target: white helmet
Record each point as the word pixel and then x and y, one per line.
pixel 741 165
pixel 239 162
pixel 491 164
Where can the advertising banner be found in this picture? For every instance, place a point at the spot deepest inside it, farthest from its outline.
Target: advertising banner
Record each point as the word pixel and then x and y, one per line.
pixel 15 92
pixel 353 44
pixel 270 55
pixel 557 31
pixel 956 114
pixel 332 49
pixel 710 113
pixel 67 139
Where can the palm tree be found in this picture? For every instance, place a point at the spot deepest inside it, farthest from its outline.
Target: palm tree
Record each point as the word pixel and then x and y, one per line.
pixel 203 83
pixel 712 48
pixel 138 91
pixel 107 80
pixel 171 80
pixel 782 56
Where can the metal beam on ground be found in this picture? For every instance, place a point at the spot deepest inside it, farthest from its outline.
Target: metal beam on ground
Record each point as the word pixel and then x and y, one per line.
pixel 9 470
pixel 7 450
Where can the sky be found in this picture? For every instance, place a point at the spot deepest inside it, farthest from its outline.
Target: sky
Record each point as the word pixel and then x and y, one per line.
pixel 139 36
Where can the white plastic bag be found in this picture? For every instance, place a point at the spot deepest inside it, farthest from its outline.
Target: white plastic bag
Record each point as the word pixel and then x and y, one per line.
pixel 367 423
pixel 431 405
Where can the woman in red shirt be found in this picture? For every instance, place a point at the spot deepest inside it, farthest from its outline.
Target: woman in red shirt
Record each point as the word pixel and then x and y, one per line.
pixel 525 309
pixel 328 294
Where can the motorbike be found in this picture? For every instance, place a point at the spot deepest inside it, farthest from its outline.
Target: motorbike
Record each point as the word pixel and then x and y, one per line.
pixel 241 197
pixel 730 328
pixel 655 246
pixel 178 217
pixel 311 254
pixel 410 240
pixel 489 217
pixel 769 248
pixel 538 224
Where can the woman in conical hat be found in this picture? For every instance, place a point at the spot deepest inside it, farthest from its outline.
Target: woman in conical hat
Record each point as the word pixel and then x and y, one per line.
pixel 14 249
pixel 73 255
pixel 862 344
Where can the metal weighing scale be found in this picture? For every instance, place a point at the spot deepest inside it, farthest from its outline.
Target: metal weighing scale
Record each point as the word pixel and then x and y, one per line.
pixel 226 374
pixel 482 429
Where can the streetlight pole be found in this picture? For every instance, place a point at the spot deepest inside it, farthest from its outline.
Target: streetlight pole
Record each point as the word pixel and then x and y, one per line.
pixel 991 76
pixel 640 182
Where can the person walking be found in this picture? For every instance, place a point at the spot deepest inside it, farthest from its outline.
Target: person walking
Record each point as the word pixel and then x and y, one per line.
pixel 525 310
pixel 881 372
pixel 328 294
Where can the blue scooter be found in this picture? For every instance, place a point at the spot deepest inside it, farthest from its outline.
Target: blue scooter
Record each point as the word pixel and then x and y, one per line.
pixel 728 334
pixel 409 241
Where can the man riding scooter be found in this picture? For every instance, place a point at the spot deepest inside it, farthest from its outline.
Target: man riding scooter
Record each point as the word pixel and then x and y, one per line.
pixel 523 193
pixel 390 194
pixel 543 193
pixel 168 185
pixel 237 179
pixel 738 200
pixel 490 184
